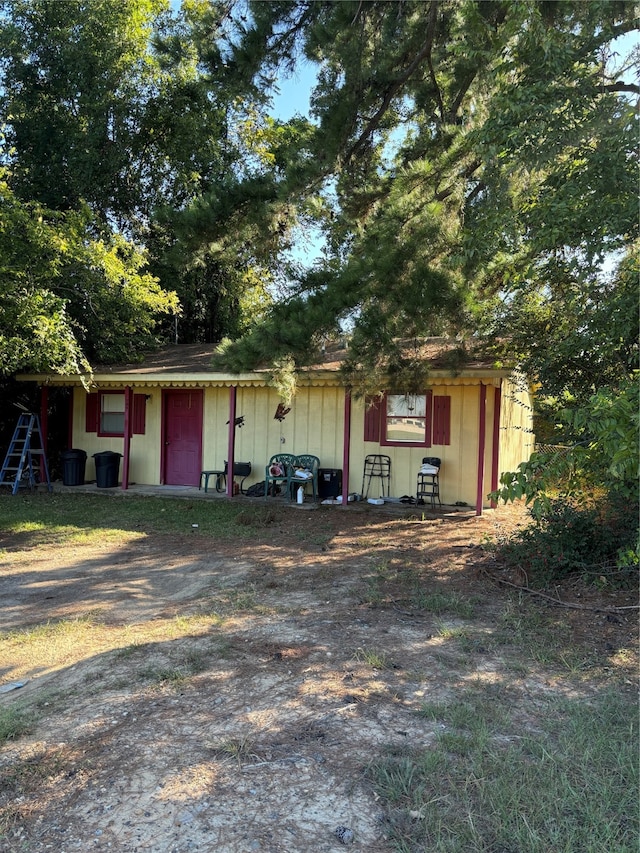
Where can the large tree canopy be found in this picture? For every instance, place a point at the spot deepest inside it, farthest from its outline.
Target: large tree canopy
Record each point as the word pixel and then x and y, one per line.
pixel 477 161
pixel 128 110
pixel 471 164
pixel 67 297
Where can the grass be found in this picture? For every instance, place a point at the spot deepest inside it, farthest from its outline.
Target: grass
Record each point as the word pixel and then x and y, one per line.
pixel 387 583
pixel 372 658
pixel 34 520
pixel 491 782
pixel 13 723
pixel 239 749
pixel 439 603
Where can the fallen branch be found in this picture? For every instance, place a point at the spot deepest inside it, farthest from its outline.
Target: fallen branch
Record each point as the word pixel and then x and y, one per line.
pixel 569 604
pixel 287 759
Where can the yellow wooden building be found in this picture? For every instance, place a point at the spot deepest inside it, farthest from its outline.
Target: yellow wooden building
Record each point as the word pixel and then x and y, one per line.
pixel 173 416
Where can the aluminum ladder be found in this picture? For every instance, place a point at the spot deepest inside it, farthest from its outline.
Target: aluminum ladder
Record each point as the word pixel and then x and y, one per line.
pixel 26 458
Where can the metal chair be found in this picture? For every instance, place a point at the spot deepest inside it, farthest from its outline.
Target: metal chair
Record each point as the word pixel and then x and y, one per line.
pixel 283 461
pixel 376 465
pixel 429 482
pixel 305 462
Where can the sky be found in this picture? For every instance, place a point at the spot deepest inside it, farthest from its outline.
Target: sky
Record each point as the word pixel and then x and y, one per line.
pixel 294 93
pixel 293 99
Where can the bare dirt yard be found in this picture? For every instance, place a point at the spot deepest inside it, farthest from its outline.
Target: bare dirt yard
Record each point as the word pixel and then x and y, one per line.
pixel 185 694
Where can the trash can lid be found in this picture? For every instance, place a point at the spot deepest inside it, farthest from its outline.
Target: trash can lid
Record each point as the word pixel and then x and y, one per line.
pixel 107 453
pixel 73 452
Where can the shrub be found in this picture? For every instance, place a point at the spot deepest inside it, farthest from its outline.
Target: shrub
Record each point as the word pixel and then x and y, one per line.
pixel 598 541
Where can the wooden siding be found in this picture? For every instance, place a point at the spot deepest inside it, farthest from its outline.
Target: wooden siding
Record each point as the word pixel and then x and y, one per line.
pixel 459 469
pixel 517 439
pixel 145 449
pixel 315 425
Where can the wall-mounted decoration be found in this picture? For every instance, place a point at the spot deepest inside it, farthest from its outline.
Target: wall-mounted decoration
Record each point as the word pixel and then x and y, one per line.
pixel 281 412
pixel 238 422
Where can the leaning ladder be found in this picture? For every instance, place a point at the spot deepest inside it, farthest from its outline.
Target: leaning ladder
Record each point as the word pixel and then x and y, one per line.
pixel 18 466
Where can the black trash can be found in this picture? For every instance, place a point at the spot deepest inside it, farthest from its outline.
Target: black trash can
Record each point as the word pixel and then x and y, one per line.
pixel 73 467
pixel 329 482
pixel 107 468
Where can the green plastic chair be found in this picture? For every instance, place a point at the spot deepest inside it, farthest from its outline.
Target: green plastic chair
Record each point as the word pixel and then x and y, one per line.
pixel 307 462
pixel 286 461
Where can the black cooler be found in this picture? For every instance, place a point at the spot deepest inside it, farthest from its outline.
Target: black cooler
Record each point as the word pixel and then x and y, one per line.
pixel 329 482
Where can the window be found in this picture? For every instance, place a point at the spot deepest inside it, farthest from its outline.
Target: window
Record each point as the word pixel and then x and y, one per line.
pixel 406 420
pixel 105 413
pixel 111 414
pixel 400 420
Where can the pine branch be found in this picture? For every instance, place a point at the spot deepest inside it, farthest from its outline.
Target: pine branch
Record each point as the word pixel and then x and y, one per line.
pixel 621 87
pixel 396 86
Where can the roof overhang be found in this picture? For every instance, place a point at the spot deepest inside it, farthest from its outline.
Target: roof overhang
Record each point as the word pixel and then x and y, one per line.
pixel 316 378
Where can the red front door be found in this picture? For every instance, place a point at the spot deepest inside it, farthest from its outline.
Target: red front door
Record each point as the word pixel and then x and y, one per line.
pixel 182 461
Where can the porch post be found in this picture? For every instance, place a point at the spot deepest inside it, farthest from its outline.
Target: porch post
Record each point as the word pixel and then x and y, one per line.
pixel 232 439
pixel 128 401
pixel 346 449
pixel 482 431
pixel 70 419
pixel 44 424
pixel 495 451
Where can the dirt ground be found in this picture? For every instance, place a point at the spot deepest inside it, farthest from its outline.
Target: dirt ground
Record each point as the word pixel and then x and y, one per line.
pixel 306 652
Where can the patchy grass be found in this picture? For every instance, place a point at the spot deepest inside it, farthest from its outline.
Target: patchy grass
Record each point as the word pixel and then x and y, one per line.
pixel 439 603
pixel 13 723
pixel 237 749
pixel 491 781
pixel 373 658
pixel 513 722
pixel 54 646
pixel 50 519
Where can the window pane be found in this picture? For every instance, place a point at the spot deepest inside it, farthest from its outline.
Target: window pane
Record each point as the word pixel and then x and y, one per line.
pixel 113 422
pixel 406 405
pixel 406 418
pixel 406 429
pixel 112 402
pixel 112 414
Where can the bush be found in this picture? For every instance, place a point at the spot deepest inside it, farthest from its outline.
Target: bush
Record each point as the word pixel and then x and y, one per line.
pixel 599 541
pixel 584 498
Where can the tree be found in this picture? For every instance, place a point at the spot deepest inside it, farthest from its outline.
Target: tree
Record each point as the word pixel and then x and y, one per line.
pixel 477 154
pixel 74 86
pixel 124 109
pixel 482 163
pixel 67 297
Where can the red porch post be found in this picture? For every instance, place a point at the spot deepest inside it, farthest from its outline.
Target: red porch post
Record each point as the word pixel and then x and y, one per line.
pixel 128 406
pixel 495 450
pixel 233 391
pixel 44 425
pixel 346 450
pixel 482 431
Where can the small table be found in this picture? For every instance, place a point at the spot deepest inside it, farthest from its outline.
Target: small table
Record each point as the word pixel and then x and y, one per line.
pixel 240 469
pixel 221 480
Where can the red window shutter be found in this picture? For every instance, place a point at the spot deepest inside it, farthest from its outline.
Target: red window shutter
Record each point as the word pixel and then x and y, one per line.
pixel 373 406
pixel 139 414
pixel 441 420
pixel 91 413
